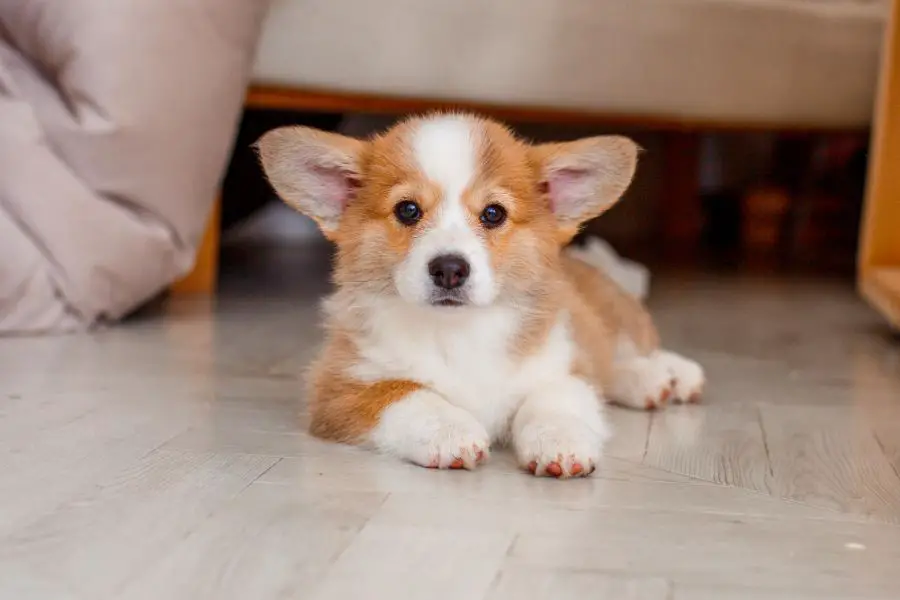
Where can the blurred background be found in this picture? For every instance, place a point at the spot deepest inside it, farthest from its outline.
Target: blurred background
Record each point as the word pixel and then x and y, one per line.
pixel 132 125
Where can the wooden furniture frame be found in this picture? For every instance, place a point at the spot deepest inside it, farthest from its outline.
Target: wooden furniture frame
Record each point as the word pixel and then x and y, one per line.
pixel 879 256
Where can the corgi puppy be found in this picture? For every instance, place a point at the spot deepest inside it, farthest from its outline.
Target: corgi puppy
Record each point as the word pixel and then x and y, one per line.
pixel 458 320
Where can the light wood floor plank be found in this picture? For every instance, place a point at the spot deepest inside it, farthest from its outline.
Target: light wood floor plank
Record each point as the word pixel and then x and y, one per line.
pixel 830 457
pixel 631 431
pixel 887 432
pixel 720 444
pixel 410 562
pixel 691 592
pixel 168 458
pixel 56 463
pixel 773 555
pixel 131 519
pixel 271 542
pixel 515 584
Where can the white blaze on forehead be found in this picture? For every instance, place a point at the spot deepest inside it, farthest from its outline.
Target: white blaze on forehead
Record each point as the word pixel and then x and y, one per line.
pixel 445 150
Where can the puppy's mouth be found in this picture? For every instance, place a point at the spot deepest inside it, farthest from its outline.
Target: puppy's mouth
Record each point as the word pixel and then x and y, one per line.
pixel 449 300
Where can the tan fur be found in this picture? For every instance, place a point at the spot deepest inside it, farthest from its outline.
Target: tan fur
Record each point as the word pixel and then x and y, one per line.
pixel 344 410
pixel 615 157
pixel 290 152
pixel 621 313
pixel 528 265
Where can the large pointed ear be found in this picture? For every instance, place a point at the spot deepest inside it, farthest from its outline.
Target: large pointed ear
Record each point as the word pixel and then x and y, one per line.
pixel 315 172
pixel 584 178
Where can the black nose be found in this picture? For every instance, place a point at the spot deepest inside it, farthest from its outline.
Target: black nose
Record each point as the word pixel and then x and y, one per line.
pixel 448 271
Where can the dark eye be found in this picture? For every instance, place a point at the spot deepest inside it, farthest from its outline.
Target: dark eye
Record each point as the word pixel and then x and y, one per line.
pixel 493 215
pixel 408 212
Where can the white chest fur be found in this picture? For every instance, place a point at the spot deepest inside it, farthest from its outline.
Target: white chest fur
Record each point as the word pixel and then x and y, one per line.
pixel 467 356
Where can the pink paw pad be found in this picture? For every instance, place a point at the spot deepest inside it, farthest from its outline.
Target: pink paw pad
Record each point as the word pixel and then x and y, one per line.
pixel 651 403
pixel 465 459
pixel 557 470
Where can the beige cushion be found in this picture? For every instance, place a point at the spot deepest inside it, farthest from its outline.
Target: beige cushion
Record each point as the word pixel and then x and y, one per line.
pixel 772 61
pixel 115 123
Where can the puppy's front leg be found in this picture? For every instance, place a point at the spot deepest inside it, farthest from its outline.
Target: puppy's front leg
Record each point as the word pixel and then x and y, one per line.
pixel 559 430
pixel 425 429
pixel 398 417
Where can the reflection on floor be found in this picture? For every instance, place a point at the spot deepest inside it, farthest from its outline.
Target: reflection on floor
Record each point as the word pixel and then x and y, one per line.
pixel 167 458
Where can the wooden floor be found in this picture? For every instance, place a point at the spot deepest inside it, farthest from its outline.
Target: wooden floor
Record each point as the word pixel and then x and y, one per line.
pixel 167 459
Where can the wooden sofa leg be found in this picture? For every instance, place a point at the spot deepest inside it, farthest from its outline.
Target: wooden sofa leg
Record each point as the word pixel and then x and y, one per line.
pixel 879 253
pixel 203 278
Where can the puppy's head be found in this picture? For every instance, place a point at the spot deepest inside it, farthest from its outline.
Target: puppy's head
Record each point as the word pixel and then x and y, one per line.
pixel 446 210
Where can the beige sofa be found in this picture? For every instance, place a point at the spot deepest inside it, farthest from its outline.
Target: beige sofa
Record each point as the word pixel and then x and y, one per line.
pixel 782 63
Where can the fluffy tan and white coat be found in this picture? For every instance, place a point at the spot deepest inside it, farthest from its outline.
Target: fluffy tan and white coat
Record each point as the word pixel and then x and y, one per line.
pixel 458 320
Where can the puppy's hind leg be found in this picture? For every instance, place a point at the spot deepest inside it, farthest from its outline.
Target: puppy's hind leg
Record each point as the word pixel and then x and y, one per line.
pixel 687 376
pixel 640 382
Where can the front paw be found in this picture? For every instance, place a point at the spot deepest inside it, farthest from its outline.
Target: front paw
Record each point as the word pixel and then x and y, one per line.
pixel 558 446
pixel 428 431
pixel 455 444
